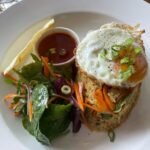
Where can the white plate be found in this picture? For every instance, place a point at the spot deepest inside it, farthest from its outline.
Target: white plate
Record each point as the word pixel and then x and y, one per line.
pixel 81 16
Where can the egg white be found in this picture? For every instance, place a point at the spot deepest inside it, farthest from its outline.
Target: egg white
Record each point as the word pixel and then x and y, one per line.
pixel 87 55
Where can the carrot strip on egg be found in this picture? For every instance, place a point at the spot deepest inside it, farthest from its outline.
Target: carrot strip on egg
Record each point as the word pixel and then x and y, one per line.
pixel 79 96
pixel 109 103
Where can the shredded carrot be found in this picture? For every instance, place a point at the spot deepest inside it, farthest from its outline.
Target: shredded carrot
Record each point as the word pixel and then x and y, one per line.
pixel 100 100
pixel 91 107
pixel 80 85
pixel 47 69
pixel 86 100
pixel 57 75
pixel 109 103
pixel 79 96
pixel 15 105
pixel 11 96
pixel 11 77
pixel 11 106
pixel 30 110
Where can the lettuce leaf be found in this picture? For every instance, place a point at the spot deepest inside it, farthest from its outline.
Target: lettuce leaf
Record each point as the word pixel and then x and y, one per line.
pixel 39 102
pixel 49 121
pixel 55 120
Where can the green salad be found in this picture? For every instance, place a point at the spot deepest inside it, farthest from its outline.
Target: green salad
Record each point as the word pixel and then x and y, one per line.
pixel 46 99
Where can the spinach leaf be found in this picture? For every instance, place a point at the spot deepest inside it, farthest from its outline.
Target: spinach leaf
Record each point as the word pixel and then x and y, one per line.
pixel 55 120
pixel 50 123
pixel 39 101
pixel 32 71
pixel 35 58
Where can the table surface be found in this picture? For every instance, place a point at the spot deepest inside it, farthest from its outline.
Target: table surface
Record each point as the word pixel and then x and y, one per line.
pixel 5 4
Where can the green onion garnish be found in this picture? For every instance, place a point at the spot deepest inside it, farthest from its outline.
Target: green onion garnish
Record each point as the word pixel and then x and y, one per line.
pixel 126 74
pixel 103 53
pixel 125 60
pixel 115 54
pixel 129 42
pixel 119 106
pixel 116 47
pixel 138 50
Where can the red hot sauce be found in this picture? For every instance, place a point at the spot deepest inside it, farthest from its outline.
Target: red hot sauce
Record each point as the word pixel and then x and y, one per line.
pixel 58 47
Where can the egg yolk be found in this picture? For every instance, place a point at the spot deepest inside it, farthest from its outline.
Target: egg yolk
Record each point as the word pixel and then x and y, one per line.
pixel 137 61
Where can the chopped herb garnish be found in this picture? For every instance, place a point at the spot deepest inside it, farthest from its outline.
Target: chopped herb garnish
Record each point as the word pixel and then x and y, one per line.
pixel 129 42
pixel 115 54
pixel 138 50
pixel 106 116
pixel 119 106
pixel 125 60
pixel 132 61
pixel 111 135
pixel 126 74
pixel 116 47
pixel 35 58
pixel 103 53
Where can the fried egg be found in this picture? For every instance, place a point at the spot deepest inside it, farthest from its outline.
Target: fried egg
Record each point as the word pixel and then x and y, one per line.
pixel 114 55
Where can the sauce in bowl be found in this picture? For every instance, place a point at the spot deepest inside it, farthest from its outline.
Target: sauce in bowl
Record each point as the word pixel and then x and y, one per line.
pixel 58 47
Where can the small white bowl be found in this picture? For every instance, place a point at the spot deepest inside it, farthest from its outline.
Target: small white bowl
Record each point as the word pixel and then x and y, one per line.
pixel 60 30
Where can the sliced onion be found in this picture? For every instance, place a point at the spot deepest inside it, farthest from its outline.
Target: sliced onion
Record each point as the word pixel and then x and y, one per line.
pixel 66 89
pixel 58 84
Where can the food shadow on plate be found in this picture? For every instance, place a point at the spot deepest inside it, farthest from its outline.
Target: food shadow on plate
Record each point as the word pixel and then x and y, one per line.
pixel 82 22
